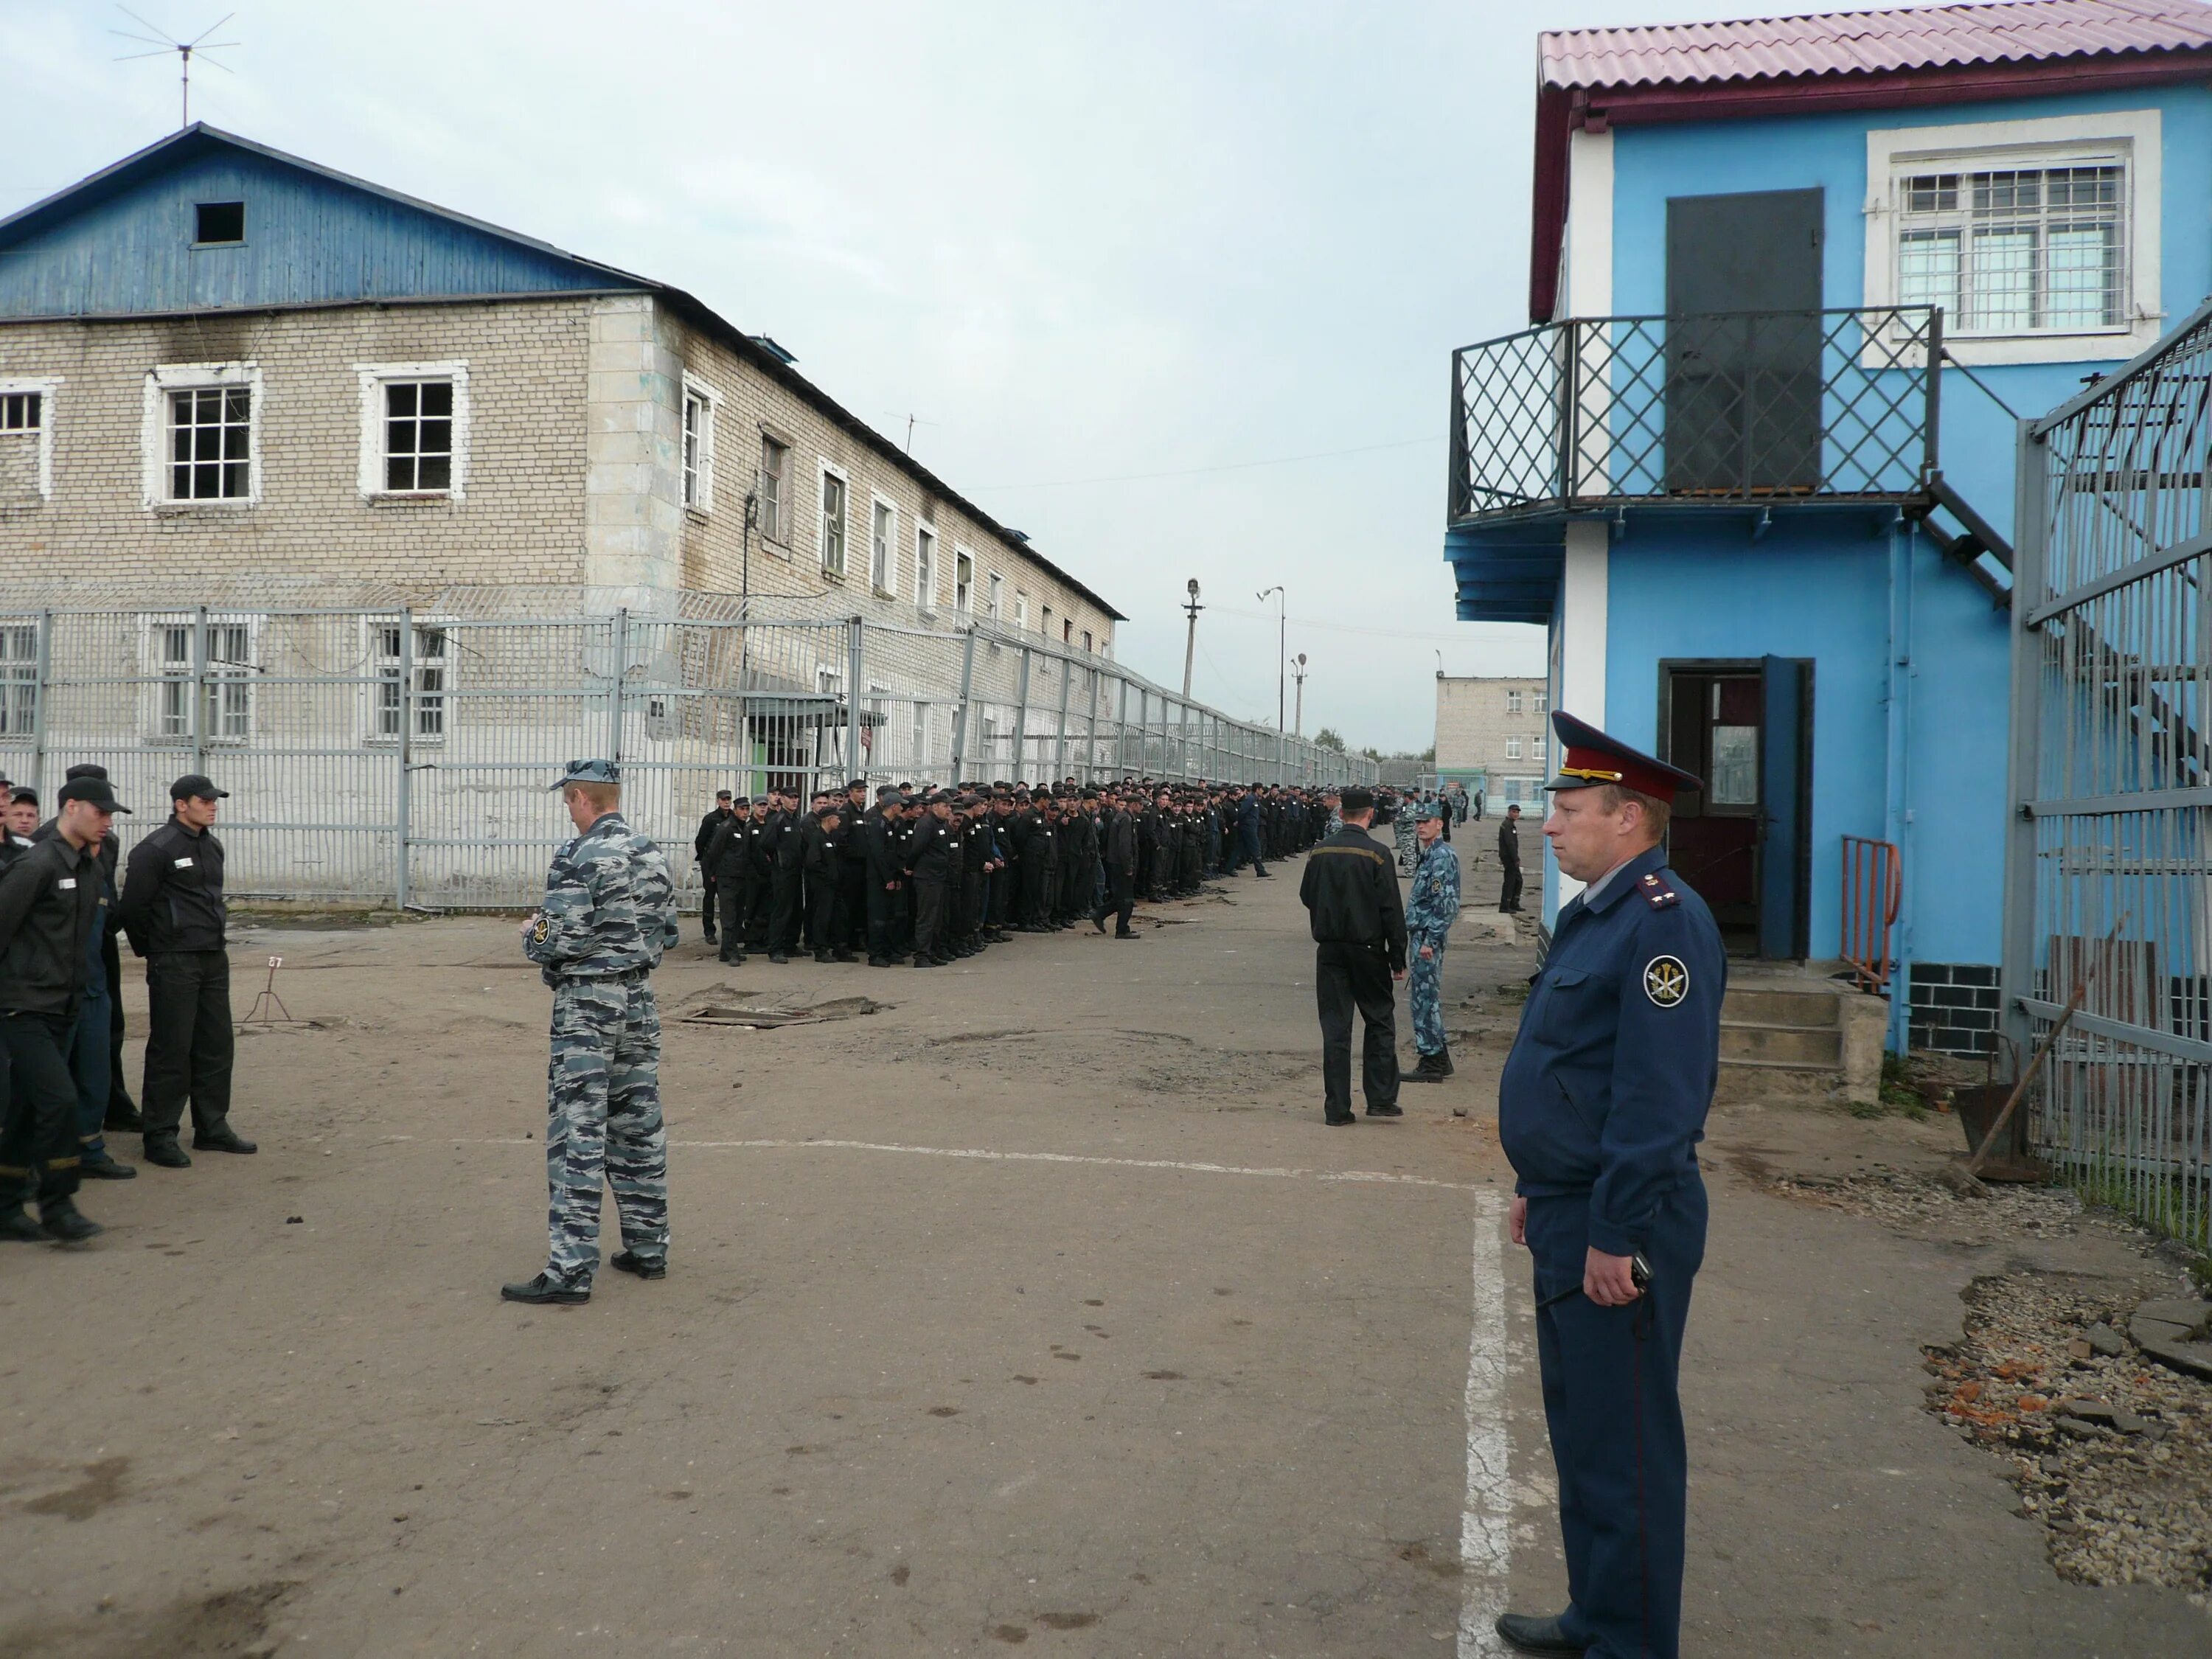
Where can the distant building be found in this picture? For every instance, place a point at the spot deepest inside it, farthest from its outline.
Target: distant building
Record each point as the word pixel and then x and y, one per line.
pixel 230 374
pixel 1750 469
pixel 1492 735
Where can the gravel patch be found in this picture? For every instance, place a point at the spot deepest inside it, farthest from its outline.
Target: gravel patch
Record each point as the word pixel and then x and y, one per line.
pixel 1924 1202
pixel 2111 1451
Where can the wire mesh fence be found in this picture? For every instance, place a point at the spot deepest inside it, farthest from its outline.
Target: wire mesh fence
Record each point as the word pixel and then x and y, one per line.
pixel 402 756
pixel 2110 874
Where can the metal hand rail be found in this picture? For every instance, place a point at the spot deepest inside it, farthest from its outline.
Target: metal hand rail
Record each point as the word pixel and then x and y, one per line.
pixel 1738 406
pixel 1873 894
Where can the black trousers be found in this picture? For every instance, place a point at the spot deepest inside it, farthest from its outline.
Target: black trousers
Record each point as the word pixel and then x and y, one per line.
pixel 1346 976
pixel 929 898
pixel 783 910
pixel 188 1041
pixel 1038 885
pixel 1121 895
pixel 734 899
pixel 709 906
pixel 757 913
pixel 37 1121
pixel 824 903
pixel 1005 883
pixel 119 1103
pixel 1509 888
pixel 884 914
pixel 853 907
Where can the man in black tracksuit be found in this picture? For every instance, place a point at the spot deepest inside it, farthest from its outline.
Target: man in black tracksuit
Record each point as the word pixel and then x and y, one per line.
pixel 173 912
pixel 930 866
pixel 51 901
pixel 885 874
pixel 122 1113
pixel 1120 850
pixel 702 846
pixel 729 873
pixel 1508 861
pixel 852 934
pixel 1358 917
pixel 822 856
pixel 786 864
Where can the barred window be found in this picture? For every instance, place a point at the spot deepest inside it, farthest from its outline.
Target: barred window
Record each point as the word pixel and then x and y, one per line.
pixel 883 538
pixel 833 523
pixel 226 713
pixel 698 452
pixel 418 436
pixel 211 444
pixel 774 456
pixel 925 567
pixel 428 666
pixel 19 679
pixel 2016 250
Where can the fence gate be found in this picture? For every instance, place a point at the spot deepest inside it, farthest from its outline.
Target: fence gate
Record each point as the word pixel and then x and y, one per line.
pixel 2109 860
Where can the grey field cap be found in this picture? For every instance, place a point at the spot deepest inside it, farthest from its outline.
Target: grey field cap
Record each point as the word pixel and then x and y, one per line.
pixel 590 771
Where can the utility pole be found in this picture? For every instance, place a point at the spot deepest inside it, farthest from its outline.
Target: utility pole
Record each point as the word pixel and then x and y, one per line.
pixel 1190 640
pixel 1282 645
pixel 1299 725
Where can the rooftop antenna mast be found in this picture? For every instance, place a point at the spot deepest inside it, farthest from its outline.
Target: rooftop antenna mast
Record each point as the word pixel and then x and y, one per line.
pixel 183 49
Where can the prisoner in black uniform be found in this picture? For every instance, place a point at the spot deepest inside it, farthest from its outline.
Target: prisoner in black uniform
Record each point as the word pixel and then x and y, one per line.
pixel 1358 917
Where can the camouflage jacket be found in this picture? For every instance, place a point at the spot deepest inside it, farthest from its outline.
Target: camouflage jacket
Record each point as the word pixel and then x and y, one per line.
pixel 610 907
pixel 1433 904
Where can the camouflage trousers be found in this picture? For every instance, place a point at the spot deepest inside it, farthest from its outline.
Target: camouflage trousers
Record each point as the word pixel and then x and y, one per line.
pixel 603 1123
pixel 1425 995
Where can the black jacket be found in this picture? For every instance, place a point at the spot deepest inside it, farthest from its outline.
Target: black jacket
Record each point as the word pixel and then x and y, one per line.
pixel 933 844
pixel 879 842
pixel 1509 843
pixel 49 899
pixel 1119 841
pixel 703 842
pixel 173 892
pixel 1351 887
pixel 730 854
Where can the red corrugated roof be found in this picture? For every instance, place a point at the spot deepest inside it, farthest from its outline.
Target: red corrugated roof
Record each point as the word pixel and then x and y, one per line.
pixel 1870 42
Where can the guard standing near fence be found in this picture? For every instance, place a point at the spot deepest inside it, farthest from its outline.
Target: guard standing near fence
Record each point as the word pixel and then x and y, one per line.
pixel 1430 909
pixel 702 846
pixel 730 870
pixel 610 913
pixel 1358 922
pixel 173 914
pixel 1509 861
pixel 1599 1108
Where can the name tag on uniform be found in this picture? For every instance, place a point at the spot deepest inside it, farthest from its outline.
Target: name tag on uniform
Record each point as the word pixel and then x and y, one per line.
pixel 184 864
pixel 67 883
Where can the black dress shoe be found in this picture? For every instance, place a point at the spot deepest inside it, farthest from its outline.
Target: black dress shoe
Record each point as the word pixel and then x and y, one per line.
pixel 223 1140
pixel 106 1168
pixel 18 1228
pixel 1423 1073
pixel 777 955
pixel 66 1225
pixel 124 1119
pixel 645 1267
pixel 168 1154
pixel 1534 1635
pixel 1393 1110
pixel 1340 1122
pixel 546 1288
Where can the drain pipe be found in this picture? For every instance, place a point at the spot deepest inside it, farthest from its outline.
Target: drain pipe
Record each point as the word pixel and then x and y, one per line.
pixel 1897 779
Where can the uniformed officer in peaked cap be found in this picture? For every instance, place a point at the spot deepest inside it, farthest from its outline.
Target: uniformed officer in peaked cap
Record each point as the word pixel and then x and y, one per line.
pixel 1600 1107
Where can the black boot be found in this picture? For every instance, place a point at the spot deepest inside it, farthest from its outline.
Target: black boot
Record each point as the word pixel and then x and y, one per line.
pixel 1443 1061
pixel 63 1221
pixel 18 1228
pixel 546 1288
pixel 1424 1071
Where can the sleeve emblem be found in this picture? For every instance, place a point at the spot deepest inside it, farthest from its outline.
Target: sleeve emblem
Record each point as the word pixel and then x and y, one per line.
pixel 545 927
pixel 1666 981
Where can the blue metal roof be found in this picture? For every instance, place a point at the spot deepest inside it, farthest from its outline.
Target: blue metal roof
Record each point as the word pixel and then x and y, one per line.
pixel 1505 576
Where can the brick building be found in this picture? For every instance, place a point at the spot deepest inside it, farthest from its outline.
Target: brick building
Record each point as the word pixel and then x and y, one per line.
pixel 1492 735
pixel 229 375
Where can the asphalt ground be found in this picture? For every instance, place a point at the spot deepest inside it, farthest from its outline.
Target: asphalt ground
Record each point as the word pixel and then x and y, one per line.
pixel 1037 1309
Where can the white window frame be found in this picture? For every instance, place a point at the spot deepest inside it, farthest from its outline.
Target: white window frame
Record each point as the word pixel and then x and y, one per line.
pixel 2130 137
pixel 43 391
pixel 372 379
pixel 994 605
pixel 226 681
pixel 1543 702
pixel 827 470
pixel 1513 748
pixel 925 566
pixel 696 462
pixel 427 694
pixel 882 551
pixel 779 501
pixel 19 681
pixel 1512 701
pixel 964 591
pixel 153 433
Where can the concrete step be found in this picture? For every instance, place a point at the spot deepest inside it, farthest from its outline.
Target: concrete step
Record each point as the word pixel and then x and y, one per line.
pixel 1761 1040
pixel 1772 1007
pixel 1813 1066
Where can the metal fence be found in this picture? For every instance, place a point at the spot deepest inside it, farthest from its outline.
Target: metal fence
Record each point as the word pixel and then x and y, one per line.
pixel 2109 867
pixel 402 755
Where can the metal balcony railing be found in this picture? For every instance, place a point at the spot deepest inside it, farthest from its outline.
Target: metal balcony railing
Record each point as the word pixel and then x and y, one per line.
pixel 1743 407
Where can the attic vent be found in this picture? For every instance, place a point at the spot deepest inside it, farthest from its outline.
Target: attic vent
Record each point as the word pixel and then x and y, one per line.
pixel 219 221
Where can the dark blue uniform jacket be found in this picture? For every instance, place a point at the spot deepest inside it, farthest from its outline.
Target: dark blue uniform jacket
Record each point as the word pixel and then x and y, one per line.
pixel 1606 1090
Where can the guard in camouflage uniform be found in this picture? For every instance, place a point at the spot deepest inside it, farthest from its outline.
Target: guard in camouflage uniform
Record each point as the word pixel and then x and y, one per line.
pixel 610 911
pixel 1431 907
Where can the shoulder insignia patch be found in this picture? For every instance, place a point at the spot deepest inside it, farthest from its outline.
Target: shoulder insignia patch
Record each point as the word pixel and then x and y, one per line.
pixel 1666 981
pixel 1656 893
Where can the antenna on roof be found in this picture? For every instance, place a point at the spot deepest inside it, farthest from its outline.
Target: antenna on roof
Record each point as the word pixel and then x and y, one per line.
pixel 184 49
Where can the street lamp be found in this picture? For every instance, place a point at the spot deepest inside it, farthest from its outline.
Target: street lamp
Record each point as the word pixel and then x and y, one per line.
pixel 1298 723
pixel 1190 640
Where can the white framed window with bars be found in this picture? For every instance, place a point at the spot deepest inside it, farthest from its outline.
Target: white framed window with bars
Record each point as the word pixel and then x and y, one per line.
pixel 201 436
pixel 963 579
pixel 698 446
pixel 774 490
pixel 833 525
pixel 26 439
pixel 414 429
pixel 2039 238
pixel 221 663
pixel 883 545
pixel 427 661
pixel 925 567
pixel 19 679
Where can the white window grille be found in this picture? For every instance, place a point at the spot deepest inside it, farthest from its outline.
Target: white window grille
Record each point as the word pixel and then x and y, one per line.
pixel 211 448
pixel 19 680
pixel 1512 703
pixel 698 446
pixel 226 713
pixel 1543 701
pixel 2016 250
pixel 27 438
pixel 963 579
pixel 774 468
pixel 1536 750
pixel 22 411
pixel 428 666
pixel 833 522
pixel 1513 745
pixel 925 567
pixel 997 606
pixel 882 542
pixel 414 428
pixel 1021 609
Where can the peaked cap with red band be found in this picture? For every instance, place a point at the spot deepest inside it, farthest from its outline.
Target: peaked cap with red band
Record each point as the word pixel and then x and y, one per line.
pixel 1592 758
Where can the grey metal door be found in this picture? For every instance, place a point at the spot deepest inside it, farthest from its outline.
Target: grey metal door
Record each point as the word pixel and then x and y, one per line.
pixel 1743 342
pixel 1785 742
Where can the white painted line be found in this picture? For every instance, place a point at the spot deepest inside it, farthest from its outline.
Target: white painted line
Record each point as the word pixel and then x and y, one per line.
pixel 986 1154
pixel 1486 1534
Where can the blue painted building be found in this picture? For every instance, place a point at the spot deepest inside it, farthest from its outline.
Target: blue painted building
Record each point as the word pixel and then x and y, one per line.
pixel 1792 283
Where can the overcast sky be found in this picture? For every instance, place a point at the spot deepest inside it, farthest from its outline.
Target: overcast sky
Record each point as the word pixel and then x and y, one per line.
pixel 1085 244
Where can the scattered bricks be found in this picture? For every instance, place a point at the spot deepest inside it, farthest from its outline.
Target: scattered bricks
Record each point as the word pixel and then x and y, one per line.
pixel 1967 1393
pixel 2104 1339
pixel 2032 1402
pixel 2080 1349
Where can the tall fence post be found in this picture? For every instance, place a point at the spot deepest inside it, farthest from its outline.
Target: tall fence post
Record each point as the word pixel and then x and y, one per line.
pixel 1022 722
pixel 1091 733
pixel 1122 731
pixel 405 795
pixel 46 673
pixel 960 708
pixel 200 688
pixel 855 712
pixel 2031 528
pixel 617 684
